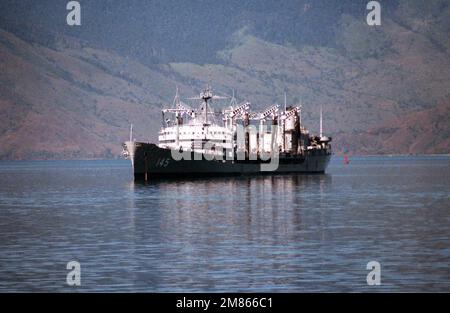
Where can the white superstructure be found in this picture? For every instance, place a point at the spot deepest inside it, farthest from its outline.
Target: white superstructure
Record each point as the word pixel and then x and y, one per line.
pixel 195 130
pixel 210 132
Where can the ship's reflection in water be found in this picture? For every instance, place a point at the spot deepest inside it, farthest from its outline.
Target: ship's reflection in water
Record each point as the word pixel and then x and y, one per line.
pixel 229 233
pixel 262 233
pixel 248 206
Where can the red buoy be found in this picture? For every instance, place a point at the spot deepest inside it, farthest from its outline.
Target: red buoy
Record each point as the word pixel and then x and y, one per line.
pixel 346 160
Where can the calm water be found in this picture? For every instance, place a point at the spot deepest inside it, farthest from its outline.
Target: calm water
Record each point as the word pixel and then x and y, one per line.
pixel 282 233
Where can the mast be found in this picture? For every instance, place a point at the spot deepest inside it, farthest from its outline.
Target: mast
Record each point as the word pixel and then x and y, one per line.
pixel 206 95
pixel 300 113
pixel 283 129
pixel 206 111
pixel 131 132
pixel 177 114
pixel 321 121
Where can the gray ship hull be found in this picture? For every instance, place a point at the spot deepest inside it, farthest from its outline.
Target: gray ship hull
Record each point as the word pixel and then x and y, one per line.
pixel 150 161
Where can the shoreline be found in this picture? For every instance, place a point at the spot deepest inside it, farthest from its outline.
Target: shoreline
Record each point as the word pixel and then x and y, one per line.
pixel 333 157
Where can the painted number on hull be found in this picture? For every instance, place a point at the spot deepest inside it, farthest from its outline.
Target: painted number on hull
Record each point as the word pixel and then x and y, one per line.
pixel 162 162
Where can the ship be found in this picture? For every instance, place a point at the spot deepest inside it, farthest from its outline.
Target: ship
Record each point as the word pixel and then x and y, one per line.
pixel 234 141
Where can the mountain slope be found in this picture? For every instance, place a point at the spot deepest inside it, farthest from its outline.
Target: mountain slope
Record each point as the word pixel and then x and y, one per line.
pixel 383 89
pixel 356 93
pixel 423 132
pixel 73 103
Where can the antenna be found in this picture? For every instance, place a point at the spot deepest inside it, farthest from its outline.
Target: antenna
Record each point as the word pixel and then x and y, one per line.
pixel 209 77
pixel 206 104
pixel 176 99
pixel 131 132
pixel 206 111
pixel 233 100
pixel 300 115
pixel 285 102
pixel 320 121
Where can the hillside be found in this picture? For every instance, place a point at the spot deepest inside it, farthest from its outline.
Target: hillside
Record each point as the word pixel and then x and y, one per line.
pixel 72 103
pixel 422 132
pixel 384 90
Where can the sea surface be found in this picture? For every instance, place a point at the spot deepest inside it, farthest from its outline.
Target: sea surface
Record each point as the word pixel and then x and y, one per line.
pixel 285 233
